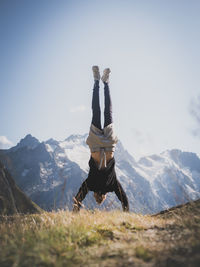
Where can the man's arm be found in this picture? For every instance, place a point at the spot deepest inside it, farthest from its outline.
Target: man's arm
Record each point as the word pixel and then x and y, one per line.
pixel 80 196
pixel 121 196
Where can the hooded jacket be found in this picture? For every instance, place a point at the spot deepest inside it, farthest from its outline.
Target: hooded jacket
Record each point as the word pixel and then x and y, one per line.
pixel 102 181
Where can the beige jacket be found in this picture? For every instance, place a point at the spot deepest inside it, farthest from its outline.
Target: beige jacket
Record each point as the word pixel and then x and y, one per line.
pixel 102 141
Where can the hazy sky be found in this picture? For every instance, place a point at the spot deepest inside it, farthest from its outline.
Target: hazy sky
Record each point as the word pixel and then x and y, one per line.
pixel 47 50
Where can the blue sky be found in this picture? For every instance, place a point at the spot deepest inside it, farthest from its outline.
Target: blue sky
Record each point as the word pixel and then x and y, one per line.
pixel 47 50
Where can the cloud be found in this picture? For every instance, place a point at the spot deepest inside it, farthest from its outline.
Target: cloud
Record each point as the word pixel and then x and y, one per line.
pixel 5 143
pixel 194 109
pixel 80 108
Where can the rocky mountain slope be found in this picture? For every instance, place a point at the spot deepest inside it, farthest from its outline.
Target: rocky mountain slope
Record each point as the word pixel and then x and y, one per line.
pixel 51 172
pixel 12 199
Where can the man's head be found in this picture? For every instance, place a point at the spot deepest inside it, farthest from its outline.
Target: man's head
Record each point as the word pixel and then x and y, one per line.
pixel 99 197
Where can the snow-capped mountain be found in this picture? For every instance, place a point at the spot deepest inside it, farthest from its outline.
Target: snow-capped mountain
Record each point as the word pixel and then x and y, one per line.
pixel 51 172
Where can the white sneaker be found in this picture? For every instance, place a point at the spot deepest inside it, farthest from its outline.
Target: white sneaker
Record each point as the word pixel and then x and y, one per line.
pixel 105 76
pixel 96 73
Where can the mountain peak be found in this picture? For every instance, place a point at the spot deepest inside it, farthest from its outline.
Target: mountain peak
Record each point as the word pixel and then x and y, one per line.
pixel 75 137
pixel 51 141
pixel 28 141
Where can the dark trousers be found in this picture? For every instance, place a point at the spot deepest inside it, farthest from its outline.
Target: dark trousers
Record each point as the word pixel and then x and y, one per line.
pixel 96 110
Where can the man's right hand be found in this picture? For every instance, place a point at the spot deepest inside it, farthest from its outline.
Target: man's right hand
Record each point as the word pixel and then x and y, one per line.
pixel 76 208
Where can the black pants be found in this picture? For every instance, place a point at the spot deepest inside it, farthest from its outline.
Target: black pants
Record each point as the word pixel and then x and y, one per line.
pixel 96 110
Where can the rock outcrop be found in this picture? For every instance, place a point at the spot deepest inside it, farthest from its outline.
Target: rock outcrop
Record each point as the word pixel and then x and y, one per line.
pixel 12 199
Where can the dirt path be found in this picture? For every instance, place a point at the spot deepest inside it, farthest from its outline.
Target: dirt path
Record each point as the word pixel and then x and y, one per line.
pixel 176 244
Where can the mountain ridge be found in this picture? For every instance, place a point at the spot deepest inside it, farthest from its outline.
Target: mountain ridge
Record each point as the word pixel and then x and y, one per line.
pixel 49 168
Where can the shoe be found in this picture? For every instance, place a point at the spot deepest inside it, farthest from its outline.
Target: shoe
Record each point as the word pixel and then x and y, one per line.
pixel 105 76
pixel 96 73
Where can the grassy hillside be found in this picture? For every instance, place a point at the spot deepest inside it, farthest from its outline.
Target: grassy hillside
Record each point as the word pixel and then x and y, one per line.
pixel 101 238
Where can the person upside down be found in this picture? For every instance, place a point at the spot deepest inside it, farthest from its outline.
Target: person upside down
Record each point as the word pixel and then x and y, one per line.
pixel 102 176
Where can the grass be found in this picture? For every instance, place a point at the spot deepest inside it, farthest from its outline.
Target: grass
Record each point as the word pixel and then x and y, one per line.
pixel 100 238
pixel 143 253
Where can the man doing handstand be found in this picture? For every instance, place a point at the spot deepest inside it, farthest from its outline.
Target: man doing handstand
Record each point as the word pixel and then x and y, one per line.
pixel 102 176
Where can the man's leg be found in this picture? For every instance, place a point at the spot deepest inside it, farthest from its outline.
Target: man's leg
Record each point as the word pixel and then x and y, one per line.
pixel 108 104
pixel 96 111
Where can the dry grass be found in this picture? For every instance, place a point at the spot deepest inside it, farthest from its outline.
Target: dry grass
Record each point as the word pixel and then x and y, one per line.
pixel 96 238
